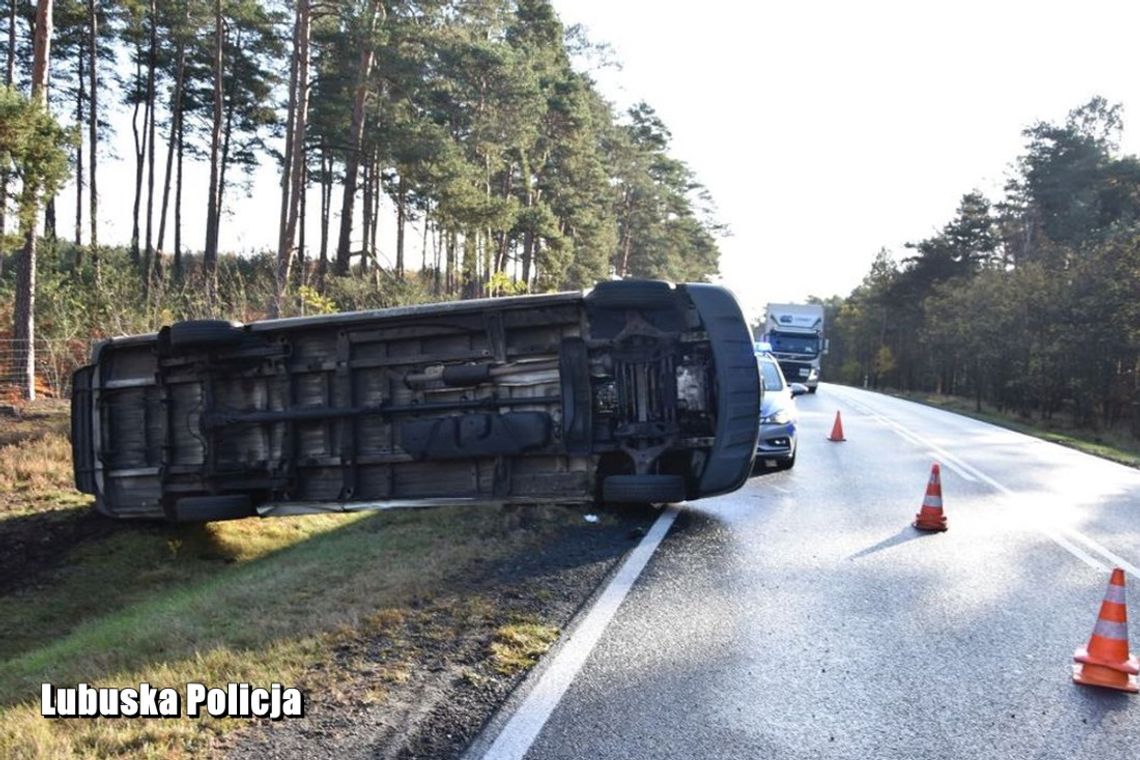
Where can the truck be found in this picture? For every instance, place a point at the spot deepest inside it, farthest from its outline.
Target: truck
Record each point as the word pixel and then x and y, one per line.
pixel 637 391
pixel 795 333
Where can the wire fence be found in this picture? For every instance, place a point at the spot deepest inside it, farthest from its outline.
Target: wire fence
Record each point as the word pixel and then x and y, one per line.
pixel 55 361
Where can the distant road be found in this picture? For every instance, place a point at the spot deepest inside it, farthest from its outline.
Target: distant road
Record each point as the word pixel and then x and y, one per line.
pixel 803 617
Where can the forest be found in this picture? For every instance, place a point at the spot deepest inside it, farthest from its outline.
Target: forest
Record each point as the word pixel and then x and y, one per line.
pixel 474 124
pixel 1029 302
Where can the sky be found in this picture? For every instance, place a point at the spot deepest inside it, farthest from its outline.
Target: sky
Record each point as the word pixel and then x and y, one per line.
pixel 827 130
pixel 824 130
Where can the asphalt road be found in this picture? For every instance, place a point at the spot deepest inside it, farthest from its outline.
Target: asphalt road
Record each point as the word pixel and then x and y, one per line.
pixel 803 617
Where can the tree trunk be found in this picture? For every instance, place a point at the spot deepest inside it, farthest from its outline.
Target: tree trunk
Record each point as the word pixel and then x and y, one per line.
pixel 502 238
pixel 175 128
pixel 224 162
pixel 210 254
pixel 449 277
pixel 24 329
pixel 326 209
pixel 469 265
pixel 484 276
pixel 49 224
pixel 178 206
pixel 140 155
pixel 294 181
pixel 80 94
pixel 10 80
pixel 366 252
pixel 154 265
pixel 300 274
pixel 285 245
pixel 290 115
pixel 437 255
pixel 401 220
pixel 528 255
pixel 93 136
pixel 423 253
pixel 356 136
pixel 377 191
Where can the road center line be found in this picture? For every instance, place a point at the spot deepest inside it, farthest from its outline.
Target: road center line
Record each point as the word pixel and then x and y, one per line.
pixel 1075 550
pixel 524 726
pixel 1057 534
pixel 953 466
pixel 1115 559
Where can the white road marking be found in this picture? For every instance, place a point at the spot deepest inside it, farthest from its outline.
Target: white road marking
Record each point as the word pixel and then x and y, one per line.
pixel 1060 535
pixel 953 466
pixel 1115 559
pixel 523 728
pixel 1073 549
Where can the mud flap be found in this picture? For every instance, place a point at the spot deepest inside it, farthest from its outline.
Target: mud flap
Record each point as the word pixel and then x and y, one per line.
pixel 82 443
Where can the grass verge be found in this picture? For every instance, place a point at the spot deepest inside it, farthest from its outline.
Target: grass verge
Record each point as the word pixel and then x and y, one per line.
pixel 33 477
pixel 259 601
pixel 35 420
pixel 1118 447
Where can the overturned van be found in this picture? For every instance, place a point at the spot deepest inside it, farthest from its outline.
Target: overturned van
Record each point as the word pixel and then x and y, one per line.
pixel 636 391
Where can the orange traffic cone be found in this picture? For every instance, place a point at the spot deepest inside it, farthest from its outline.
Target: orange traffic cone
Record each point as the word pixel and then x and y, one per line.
pixel 837 429
pixel 1105 661
pixel 930 517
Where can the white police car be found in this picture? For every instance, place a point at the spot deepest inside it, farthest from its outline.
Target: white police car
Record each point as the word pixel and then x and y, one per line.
pixel 776 445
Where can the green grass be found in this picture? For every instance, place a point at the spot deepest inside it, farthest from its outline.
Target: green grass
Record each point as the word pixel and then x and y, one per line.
pixel 250 600
pixel 287 600
pixel 1116 446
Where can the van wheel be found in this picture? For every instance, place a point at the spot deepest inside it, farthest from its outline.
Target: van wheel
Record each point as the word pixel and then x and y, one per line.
pixel 195 509
pixel 205 333
pixel 634 489
pixel 632 294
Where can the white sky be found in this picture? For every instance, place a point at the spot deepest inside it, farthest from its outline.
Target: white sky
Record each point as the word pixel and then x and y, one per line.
pixel 824 130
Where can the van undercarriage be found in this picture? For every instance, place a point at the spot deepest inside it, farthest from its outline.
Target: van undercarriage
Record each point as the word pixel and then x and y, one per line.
pixel 633 392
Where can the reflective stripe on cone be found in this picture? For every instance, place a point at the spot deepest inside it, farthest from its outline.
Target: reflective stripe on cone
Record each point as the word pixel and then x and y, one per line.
pixel 930 517
pixel 1106 661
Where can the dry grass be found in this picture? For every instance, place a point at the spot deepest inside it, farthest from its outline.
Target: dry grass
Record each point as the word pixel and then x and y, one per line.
pixel 36 466
pixel 25 734
pixel 35 420
pixel 518 645
pixel 35 462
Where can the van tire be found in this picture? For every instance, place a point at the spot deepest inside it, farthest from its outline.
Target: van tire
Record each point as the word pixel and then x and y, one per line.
pixel 199 509
pixel 632 294
pixel 204 333
pixel 638 489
